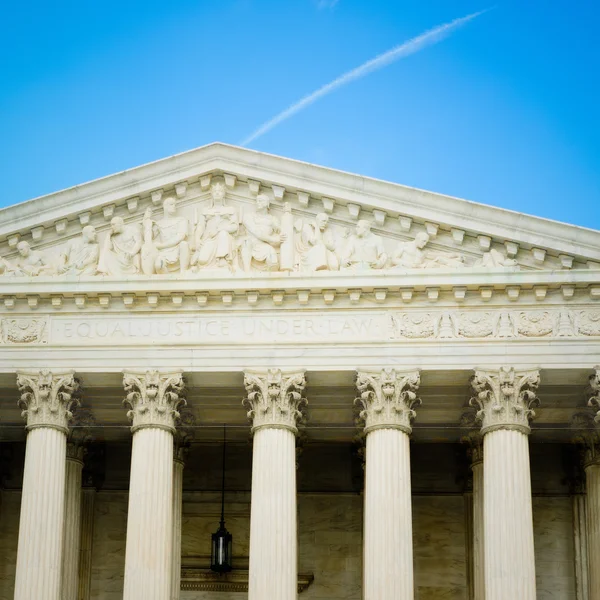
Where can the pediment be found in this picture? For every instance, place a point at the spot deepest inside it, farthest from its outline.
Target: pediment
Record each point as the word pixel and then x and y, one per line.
pixel 316 220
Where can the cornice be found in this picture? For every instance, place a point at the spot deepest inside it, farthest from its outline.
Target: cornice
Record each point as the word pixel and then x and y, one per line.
pixel 306 181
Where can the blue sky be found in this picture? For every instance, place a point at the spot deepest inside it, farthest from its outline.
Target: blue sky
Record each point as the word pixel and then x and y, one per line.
pixel 505 111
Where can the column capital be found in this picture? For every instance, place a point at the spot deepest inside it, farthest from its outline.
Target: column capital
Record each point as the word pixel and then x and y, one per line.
pixel 505 398
pixel 387 398
pixel 275 398
pixel 474 442
pixel 80 434
pixel 47 397
pixel 184 434
pixel 594 400
pixel 153 397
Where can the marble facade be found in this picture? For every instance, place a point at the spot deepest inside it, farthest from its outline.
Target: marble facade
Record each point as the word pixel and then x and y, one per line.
pixel 419 374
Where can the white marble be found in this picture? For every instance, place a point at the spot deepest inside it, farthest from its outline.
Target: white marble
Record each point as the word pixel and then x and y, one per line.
pixel 478 531
pixel 72 527
pixel 88 497
pixel 177 510
pixel 592 473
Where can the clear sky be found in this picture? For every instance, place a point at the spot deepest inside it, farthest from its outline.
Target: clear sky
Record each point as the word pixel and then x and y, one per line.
pixel 505 111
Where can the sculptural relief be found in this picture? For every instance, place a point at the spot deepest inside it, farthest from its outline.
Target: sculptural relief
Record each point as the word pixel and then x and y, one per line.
pixel 318 245
pixel 121 249
pixel 23 331
pixel 263 238
pixel 165 248
pixel 364 249
pixel 495 258
pixel 411 255
pixel 215 233
pixel 81 254
pixel 29 263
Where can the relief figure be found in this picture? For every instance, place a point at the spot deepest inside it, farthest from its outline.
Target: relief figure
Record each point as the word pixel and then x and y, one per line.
pixel 215 231
pixel 318 246
pixel 264 237
pixel 495 258
pixel 364 249
pixel 121 250
pixel 29 263
pixel 81 254
pixel 411 255
pixel 165 248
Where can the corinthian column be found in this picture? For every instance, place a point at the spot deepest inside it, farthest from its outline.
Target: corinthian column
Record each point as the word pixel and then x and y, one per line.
pixel 275 401
pixel 46 400
pixel 153 398
pixel 387 400
pixel 592 477
pixel 505 398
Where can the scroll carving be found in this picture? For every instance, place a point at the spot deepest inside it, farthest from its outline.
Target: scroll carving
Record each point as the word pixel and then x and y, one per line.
pixel 153 398
pixel 505 398
pixel 387 398
pixel 274 398
pixel 47 398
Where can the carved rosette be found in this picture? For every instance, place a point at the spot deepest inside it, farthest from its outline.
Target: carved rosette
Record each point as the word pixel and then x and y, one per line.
pixel 275 398
pixel 387 399
pixel 505 398
pixel 594 400
pixel 47 398
pixel 153 398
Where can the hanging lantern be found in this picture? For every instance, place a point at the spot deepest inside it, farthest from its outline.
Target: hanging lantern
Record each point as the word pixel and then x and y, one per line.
pixel 220 558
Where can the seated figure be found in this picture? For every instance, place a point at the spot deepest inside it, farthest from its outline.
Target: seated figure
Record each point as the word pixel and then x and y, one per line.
pixel 364 249
pixel 215 233
pixel 495 258
pixel 81 254
pixel 264 237
pixel 121 250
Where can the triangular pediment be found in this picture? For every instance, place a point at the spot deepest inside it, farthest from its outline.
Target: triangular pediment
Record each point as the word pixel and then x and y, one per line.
pixel 317 219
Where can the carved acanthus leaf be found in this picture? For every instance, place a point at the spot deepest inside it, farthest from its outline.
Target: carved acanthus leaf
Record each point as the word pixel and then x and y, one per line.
pixel 47 397
pixel 274 398
pixel 153 397
pixel 594 400
pixel 387 398
pixel 505 398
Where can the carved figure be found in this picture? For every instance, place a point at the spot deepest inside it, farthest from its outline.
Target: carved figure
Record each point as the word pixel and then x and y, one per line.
pixel 495 258
pixel 165 248
pixel 121 250
pixel 264 237
pixel 29 263
pixel 215 233
pixel 364 249
pixel 319 246
pixel 81 254
pixel 410 255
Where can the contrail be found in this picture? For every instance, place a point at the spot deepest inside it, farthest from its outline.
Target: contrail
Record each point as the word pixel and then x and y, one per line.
pixel 430 37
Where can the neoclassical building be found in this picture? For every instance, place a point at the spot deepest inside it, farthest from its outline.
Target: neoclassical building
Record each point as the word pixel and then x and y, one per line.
pixel 408 384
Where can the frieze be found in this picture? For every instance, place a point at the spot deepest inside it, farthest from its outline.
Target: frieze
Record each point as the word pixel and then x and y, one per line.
pixel 227 238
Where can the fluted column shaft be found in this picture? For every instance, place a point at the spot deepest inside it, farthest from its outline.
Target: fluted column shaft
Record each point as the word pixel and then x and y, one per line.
pixel 275 401
pixel 478 529
pixel 177 513
pixel 592 476
pixel 273 535
pixel 39 554
pixel 72 525
pixel 388 544
pixel 508 517
pixel 46 398
pixel 87 537
pixel 580 541
pixel 505 399
pixel 153 398
pixel 387 398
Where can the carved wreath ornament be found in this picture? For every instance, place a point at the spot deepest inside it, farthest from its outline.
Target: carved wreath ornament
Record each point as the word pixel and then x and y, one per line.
pixel 275 398
pixel 387 398
pixel 47 398
pixel 505 398
pixel 153 398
